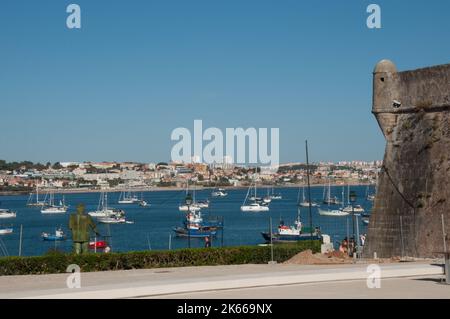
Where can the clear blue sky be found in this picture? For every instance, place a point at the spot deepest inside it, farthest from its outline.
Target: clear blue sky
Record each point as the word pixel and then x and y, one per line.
pixel 115 89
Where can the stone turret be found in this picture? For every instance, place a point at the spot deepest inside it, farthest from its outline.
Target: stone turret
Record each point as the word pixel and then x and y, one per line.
pixel 413 111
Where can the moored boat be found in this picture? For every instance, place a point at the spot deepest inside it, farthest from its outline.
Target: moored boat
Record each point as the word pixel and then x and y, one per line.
pixel 332 212
pixel 195 232
pixel 57 236
pixel 7 213
pixel 254 207
pixel 219 193
pixel 52 208
pixel 6 230
pixel 355 208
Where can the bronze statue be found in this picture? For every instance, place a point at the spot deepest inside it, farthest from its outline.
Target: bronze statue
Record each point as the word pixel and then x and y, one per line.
pixel 79 224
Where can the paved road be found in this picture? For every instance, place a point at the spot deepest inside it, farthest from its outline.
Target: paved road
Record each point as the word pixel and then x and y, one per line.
pixel 403 288
pixel 238 281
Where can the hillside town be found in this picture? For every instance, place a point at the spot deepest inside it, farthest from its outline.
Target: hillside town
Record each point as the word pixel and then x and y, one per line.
pixel 25 176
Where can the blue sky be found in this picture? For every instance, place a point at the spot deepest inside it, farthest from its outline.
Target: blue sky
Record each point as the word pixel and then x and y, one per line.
pixel 116 89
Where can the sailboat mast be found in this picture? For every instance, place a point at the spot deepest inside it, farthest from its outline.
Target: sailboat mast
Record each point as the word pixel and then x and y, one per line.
pixel 348 194
pixel 309 190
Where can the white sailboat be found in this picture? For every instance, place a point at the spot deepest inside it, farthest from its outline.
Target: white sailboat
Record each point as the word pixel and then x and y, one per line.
pixel 51 208
pixel 304 202
pixel 349 208
pixel 102 209
pixel 7 213
pixel 328 199
pixel 255 205
pixel 194 206
pixel 334 212
pixel 127 197
pixel 274 196
pixel 32 203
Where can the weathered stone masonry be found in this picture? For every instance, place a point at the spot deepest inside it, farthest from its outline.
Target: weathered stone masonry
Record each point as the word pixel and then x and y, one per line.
pixel 413 111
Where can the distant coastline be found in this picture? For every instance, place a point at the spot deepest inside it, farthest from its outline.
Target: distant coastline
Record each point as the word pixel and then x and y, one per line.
pixel 169 188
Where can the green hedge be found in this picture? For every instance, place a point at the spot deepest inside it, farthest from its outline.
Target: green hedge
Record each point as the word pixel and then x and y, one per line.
pixel 58 262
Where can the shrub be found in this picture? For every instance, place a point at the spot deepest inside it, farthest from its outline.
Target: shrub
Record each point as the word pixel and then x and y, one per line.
pixel 57 262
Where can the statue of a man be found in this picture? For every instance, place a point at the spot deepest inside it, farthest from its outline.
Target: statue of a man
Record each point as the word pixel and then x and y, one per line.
pixel 80 225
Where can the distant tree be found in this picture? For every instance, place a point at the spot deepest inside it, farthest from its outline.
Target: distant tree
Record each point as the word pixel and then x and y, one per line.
pixel 57 165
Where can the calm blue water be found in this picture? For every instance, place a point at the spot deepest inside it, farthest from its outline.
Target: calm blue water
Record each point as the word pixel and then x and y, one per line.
pixel 153 225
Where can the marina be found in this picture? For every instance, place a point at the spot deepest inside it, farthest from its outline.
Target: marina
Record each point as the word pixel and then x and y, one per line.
pixel 163 225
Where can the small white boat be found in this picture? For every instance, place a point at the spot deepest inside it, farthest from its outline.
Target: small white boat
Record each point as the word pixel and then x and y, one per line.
pixel 54 210
pixel 356 209
pixel 267 199
pixel 6 231
pixel 117 218
pixel 112 220
pixel 7 213
pixel 332 212
pixel 202 203
pixel 254 207
pixel 219 193
pixel 192 208
pixel 274 196
pixel 306 204
pixel 143 203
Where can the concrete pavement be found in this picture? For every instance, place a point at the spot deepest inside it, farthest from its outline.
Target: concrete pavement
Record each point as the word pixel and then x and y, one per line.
pixel 230 282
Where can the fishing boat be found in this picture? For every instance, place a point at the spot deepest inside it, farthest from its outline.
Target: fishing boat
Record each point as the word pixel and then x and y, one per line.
pixel 304 202
pixel 293 233
pixel 57 236
pixel 51 208
pixel 365 220
pixel 197 218
pixel 35 203
pixel 7 213
pixel 219 193
pixel 195 231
